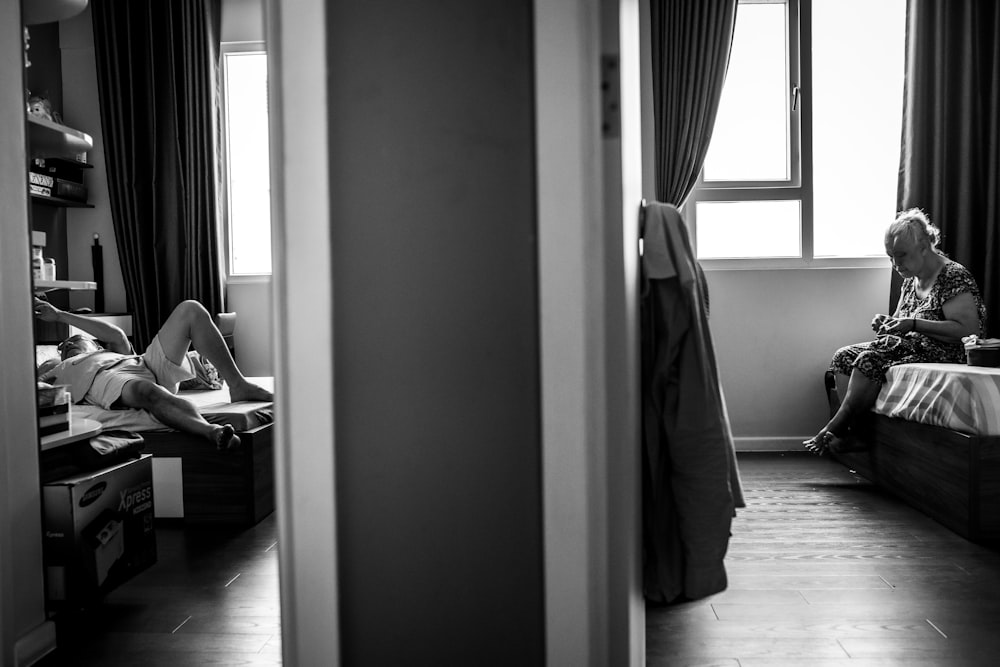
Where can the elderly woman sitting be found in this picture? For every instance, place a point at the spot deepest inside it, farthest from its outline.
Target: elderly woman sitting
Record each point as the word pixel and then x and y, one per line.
pixel 939 304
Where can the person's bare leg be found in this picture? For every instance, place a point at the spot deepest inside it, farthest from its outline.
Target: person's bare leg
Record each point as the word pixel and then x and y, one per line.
pixel 857 399
pixel 176 413
pixel 190 324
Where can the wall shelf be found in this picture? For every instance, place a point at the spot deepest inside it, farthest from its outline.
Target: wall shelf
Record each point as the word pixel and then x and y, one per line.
pixel 59 201
pixel 52 140
pixel 49 285
pixel 35 12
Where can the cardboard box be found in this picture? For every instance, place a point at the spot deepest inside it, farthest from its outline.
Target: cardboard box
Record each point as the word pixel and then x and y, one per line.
pixel 99 530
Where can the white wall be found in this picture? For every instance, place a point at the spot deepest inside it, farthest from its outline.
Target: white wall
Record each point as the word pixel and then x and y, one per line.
pixel 774 333
pixel 82 111
pixel 242 20
pixel 250 299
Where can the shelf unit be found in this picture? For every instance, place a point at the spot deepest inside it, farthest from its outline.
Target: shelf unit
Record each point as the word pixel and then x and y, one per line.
pixel 49 285
pixel 59 201
pixel 48 140
pixel 35 12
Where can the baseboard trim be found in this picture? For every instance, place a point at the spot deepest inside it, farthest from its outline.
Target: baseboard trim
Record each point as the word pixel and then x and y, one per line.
pixel 35 645
pixel 774 444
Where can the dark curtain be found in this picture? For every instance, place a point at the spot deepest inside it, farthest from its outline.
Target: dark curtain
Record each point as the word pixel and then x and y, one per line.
pixel 950 161
pixel 691 40
pixel 157 74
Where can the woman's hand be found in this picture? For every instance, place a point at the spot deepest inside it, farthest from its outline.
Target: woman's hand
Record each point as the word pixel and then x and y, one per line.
pixel 897 326
pixel 878 321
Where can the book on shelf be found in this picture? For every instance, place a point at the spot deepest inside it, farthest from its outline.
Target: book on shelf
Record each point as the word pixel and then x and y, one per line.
pixel 70 190
pixel 65 168
pixel 52 428
pixel 40 190
pixel 53 418
pixel 44 180
pixel 55 410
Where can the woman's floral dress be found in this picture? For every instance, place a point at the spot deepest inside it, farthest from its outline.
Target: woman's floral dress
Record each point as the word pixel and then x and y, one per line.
pixel 873 358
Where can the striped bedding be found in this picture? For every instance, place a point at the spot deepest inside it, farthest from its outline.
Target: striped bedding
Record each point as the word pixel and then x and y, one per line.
pixel 956 396
pixel 214 405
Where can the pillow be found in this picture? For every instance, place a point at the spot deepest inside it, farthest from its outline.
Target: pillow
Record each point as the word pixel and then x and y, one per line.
pixel 206 375
pixel 44 353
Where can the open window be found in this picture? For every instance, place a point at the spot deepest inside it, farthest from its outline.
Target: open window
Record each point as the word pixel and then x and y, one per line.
pixel 803 162
pixel 247 180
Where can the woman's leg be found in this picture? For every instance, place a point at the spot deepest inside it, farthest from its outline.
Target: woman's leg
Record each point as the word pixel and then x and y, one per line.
pixel 858 399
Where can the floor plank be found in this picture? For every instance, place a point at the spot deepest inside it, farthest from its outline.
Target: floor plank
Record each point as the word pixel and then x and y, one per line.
pixel 827 570
pixel 824 570
pixel 210 599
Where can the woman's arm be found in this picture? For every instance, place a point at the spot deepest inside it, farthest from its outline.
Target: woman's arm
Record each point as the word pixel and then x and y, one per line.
pixel 961 318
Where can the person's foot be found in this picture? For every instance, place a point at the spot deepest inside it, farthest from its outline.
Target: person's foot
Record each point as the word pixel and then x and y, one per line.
pixel 248 391
pixel 225 438
pixel 820 443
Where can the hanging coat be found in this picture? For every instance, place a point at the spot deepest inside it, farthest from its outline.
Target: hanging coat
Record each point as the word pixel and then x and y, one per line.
pixel 691 485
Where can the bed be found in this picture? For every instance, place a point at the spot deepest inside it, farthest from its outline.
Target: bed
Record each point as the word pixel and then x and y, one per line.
pixel 193 481
pixel 933 439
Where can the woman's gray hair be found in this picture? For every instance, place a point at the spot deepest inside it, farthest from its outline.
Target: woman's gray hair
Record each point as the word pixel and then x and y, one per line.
pixel 915 224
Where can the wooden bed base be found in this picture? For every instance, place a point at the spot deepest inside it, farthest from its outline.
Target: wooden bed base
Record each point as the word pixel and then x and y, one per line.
pixel 950 476
pixel 219 487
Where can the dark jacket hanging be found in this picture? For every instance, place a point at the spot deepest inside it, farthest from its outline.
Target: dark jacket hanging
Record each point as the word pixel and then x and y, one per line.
pixel 691 485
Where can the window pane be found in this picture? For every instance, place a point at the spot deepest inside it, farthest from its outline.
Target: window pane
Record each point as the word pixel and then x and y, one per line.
pixel 247 162
pixel 857 112
pixel 748 229
pixel 750 141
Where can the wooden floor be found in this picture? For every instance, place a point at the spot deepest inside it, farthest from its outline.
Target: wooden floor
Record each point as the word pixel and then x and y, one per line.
pixel 211 599
pixel 824 570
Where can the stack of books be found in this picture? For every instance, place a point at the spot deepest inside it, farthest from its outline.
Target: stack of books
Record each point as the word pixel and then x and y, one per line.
pixel 53 409
pixel 51 179
pixel 40 184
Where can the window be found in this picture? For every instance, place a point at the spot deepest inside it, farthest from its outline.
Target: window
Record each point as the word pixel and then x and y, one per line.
pixel 247 165
pixel 804 157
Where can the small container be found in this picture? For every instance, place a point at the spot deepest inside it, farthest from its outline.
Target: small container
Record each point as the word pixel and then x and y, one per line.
pixel 983 356
pixel 49 269
pixel 37 262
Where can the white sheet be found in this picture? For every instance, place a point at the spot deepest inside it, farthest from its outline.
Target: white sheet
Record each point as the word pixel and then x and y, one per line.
pixel 213 404
pixel 956 396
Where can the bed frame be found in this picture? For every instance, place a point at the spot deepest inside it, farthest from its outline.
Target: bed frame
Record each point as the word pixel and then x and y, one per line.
pixel 950 476
pixel 202 485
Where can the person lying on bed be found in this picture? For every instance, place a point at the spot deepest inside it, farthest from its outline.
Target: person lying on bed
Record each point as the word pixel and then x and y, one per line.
pixel 939 304
pixel 110 375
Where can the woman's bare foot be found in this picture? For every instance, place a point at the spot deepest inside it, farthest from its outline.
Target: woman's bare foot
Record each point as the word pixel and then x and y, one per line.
pixel 225 438
pixel 247 391
pixel 820 443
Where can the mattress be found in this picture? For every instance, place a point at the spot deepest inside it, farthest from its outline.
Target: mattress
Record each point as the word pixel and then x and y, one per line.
pixel 215 405
pixel 955 396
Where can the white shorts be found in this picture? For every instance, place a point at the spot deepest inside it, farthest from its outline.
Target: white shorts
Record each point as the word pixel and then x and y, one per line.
pixel 153 365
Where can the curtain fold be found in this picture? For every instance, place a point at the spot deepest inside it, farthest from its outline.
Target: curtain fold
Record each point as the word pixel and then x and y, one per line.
pixel 157 76
pixel 691 41
pixel 950 157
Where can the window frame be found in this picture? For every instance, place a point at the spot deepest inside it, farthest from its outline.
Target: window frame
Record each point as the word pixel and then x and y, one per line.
pixel 799 185
pixel 226 48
